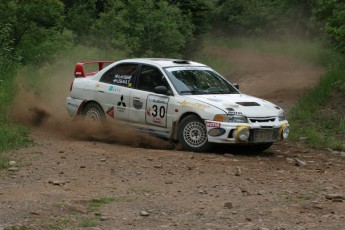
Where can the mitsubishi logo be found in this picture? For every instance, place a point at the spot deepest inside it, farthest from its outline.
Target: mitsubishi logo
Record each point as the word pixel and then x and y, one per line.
pixel 121 103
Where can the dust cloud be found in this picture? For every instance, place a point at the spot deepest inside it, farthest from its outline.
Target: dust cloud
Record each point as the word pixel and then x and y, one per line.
pixel 47 111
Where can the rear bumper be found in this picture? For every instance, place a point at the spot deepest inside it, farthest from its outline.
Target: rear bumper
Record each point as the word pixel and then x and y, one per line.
pixel 73 106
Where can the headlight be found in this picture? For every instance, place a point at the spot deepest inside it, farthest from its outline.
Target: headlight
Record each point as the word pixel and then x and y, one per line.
pixel 237 118
pixel 281 116
pixel 230 118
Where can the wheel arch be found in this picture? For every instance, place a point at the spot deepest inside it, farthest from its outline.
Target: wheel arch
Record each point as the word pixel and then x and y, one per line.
pixel 176 124
pixel 84 104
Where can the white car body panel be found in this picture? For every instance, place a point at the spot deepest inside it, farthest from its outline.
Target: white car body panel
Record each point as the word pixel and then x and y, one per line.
pixel 158 113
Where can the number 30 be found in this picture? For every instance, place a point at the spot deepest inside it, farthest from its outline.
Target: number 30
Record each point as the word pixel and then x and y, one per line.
pixel 161 111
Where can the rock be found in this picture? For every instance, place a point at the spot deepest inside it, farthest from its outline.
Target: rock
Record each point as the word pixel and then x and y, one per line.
pixel 104 218
pixel 238 171
pixel 82 166
pixel 202 191
pixel 12 163
pixel 228 205
pixel 13 169
pixel 335 197
pixel 299 162
pixel 144 213
pixel 59 182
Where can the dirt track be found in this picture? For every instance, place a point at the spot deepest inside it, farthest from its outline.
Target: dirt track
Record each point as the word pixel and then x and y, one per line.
pixel 58 182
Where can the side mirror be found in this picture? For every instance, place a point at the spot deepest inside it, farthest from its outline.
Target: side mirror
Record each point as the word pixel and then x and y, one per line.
pixel 237 86
pixel 161 89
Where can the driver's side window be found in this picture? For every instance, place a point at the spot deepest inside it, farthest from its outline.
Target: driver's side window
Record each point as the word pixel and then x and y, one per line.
pixel 150 77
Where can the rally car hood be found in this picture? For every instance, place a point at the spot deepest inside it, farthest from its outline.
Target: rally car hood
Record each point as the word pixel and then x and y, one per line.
pixel 240 104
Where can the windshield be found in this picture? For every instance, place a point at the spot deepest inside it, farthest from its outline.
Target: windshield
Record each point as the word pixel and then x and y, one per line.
pixel 198 80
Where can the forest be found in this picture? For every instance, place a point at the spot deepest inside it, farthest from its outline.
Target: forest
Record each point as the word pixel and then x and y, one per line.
pixel 35 31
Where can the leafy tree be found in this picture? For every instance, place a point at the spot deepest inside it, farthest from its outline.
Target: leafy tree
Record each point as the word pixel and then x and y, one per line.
pixel 200 11
pixel 332 13
pixel 275 17
pixel 144 28
pixel 80 15
pixel 35 26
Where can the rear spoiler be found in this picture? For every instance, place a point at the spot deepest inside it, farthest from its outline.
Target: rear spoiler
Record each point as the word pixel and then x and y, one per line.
pixel 80 72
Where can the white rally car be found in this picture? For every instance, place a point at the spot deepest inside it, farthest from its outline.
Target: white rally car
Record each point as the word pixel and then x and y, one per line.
pixel 177 99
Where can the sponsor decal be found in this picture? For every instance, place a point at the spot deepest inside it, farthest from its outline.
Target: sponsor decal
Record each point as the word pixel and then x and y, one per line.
pixel 156 101
pixel 216 132
pixel 121 103
pixel 130 84
pixel 158 120
pixel 137 104
pixel 193 105
pixel 148 112
pixel 110 112
pixel 234 113
pixel 212 124
pixel 97 85
pixel 113 89
pixel 122 79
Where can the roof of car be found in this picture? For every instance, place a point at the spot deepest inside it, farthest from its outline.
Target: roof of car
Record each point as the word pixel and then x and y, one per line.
pixel 164 62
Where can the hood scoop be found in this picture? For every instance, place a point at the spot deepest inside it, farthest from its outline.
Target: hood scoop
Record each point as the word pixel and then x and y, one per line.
pixel 248 103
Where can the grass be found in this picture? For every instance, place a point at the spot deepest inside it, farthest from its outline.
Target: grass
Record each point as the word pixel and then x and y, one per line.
pixel 320 114
pixel 311 51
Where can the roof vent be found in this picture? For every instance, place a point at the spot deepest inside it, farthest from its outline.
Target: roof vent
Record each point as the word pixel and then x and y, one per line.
pixel 248 103
pixel 181 62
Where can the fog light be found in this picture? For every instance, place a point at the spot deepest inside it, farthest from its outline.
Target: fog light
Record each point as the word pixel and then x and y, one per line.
pixel 242 133
pixel 284 131
pixel 216 132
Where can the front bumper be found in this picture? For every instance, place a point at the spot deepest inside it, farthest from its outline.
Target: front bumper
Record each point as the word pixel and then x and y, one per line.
pixel 225 132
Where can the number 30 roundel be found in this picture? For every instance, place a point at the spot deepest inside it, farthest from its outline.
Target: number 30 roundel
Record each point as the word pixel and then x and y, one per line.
pixel 156 110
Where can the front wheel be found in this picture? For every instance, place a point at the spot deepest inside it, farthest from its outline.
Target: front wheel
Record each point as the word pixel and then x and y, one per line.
pixel 93 113
pixel 193 134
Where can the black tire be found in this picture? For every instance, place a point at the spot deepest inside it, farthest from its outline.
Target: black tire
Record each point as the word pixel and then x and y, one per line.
pixel 93 113
pixel 192 134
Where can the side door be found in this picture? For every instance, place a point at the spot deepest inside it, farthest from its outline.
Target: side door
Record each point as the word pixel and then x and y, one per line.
pixel 114 90
pixel 147 108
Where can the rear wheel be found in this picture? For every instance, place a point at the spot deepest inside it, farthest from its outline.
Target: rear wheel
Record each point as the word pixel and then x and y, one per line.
pixel 93 113
pixel 193 134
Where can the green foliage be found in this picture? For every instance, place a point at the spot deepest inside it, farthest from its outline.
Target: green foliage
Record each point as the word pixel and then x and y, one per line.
pixel 80 15
pixel 265 17
pixel 200 11
pixel 332 12
pixel 319 116
pixel 36 28
pixel 144 28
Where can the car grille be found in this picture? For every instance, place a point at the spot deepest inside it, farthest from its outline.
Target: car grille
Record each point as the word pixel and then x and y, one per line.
pixel 261 119
pixel 263 135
